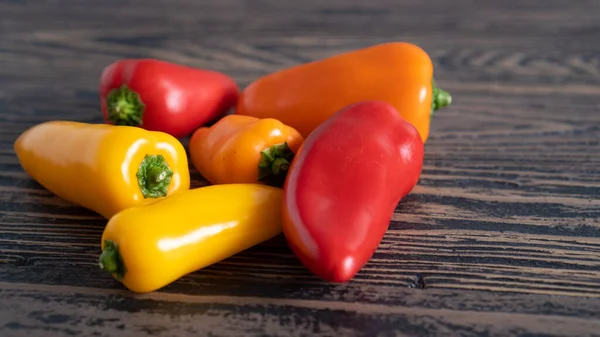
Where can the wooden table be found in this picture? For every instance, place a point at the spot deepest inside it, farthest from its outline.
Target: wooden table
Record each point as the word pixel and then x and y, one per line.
pixel 501 237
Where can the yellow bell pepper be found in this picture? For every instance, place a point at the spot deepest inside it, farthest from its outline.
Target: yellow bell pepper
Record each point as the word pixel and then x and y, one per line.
pixel 151 246
pixel 244 149
pixel 102 167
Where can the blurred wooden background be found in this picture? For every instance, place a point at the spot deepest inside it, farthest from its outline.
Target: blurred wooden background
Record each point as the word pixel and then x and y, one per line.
pixel 500 238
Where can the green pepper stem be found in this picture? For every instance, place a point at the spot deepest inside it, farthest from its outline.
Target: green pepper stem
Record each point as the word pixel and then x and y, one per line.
pixel 440 98
pixel 280 165
pixel 154 176
pixel 274 164
pixel 125 107
pixel 110 260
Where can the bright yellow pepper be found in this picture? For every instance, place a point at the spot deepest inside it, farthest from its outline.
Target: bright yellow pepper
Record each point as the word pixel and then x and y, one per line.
pixel 102 167
pixel 244 149
pixel 151 246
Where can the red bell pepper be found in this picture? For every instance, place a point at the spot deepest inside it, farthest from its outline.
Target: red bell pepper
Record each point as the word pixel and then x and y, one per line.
pixel 344 185
pixel 161 96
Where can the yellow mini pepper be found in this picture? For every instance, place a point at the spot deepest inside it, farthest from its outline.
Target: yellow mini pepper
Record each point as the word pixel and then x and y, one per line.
pixel 244 149
pixel 101 167
pixel 151 246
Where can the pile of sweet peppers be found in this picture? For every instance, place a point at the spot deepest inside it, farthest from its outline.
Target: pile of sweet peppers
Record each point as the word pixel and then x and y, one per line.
pixel 322 151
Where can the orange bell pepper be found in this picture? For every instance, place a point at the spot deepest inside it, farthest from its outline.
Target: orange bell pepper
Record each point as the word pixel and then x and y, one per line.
pixel 306 95
pixel 244 149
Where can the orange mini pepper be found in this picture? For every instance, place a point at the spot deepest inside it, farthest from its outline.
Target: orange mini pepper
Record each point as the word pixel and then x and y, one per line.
pixel 306 95
pixel 244 149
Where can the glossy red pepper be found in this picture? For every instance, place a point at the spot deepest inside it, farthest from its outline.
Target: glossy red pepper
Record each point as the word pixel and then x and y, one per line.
pixel 161 96
pixel 344 185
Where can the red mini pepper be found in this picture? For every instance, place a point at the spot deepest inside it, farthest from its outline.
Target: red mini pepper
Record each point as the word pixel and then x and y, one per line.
pixel 161 96
pixel 344 185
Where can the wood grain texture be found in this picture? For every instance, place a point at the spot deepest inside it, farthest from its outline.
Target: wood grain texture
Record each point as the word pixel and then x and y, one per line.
pixel 501 237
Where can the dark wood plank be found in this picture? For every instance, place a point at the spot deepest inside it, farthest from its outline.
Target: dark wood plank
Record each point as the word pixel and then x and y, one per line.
pixel 501 237
pixel 61 310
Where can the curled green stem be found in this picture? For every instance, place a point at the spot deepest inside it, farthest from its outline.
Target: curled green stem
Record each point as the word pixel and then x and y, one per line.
pixel 125 107
pixel 441 98
pixel 111 261
pixel 154 176
pixel 274 164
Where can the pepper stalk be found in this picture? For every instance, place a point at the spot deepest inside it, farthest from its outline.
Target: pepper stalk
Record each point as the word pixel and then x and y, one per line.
pixel 125 107
pixel 111 261
pixel 274 164
pixel 440 98
pixel 154 176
